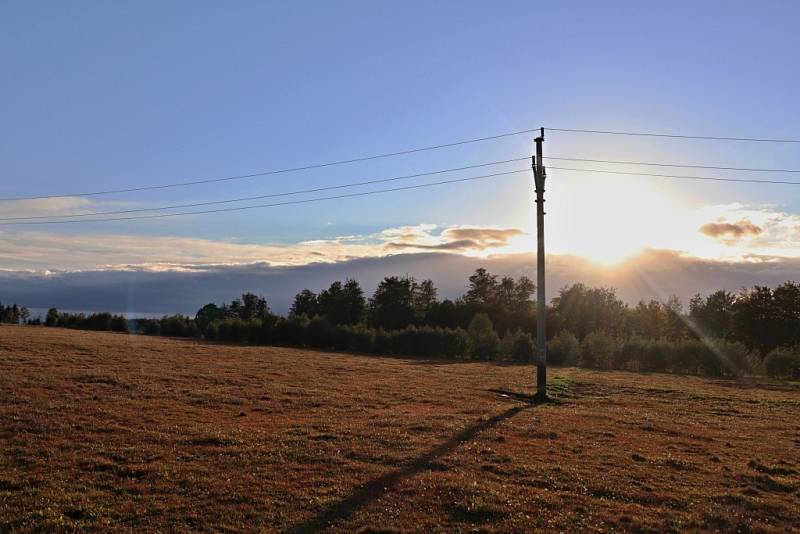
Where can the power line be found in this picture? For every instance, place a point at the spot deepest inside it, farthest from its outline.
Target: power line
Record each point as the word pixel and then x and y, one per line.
pixel 389 155
pixel 686 166
pixel 413 151
pixel 675 136
pixel 279 171
pixel 679 176
pixel 29 220
pixel 287 203
pixel 273 195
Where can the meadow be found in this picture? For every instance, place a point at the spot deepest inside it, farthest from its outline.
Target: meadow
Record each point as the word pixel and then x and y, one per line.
pixel 111 432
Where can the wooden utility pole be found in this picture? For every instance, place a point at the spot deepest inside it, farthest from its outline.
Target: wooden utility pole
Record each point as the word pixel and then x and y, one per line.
pixel 541 305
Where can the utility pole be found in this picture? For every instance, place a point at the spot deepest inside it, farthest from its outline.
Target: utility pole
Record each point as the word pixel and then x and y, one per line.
pixel 541 305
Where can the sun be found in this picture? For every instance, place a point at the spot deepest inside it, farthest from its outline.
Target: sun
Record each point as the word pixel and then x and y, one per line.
pixel 610 218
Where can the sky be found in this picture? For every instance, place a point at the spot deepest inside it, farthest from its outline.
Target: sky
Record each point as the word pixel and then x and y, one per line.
pixel 99 96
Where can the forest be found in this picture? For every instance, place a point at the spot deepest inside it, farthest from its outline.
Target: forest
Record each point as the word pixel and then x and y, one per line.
pixel 753 331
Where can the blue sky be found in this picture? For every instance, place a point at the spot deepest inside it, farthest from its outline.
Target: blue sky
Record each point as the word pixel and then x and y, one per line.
pixel 101 95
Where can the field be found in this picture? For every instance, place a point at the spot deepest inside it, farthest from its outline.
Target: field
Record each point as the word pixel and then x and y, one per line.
pixel 109 432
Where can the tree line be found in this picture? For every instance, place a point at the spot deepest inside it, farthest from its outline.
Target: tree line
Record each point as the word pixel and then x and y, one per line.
pixel 13 314
pixel 754 330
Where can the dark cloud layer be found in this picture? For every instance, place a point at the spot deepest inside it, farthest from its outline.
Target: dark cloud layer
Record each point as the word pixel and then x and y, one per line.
pixel 730 230
pixel 653 274
pixel 483 234
pixel 461 244
pixel 458 239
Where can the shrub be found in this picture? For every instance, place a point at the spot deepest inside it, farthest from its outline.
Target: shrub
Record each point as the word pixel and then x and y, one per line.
pixel 75 320
pixel 148 327
pixel 431 341
pixel 457 343
pixel 119 323
pixel 630 353
pixel 291 331
pixel 484 341
pixel 658 356
pixel 440 342
pixel 406 342
pixel 783 362
pixel 320 332
pixel 709 357
pixel 253 332
pixel 734 357
pixel 563 349
pixel 212 331
pixel 210 313
pixel 597 350
pixel 755 363
pixel 361 339
pixel 224 328
pixel 423 341
pixel 506 346
pixel 191 329
pixel 383 341
pixel 52 317
pixel 522 347
pixel 178 326
pixel 340 337
pixel 231 329
pixel 689 356
pixel 97 321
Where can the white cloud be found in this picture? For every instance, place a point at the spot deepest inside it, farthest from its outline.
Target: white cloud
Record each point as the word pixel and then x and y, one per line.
pixel 38 250
pixel 729 234
pixel 52 207
pixel 771 232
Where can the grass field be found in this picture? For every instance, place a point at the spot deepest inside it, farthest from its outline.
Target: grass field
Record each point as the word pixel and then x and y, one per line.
pixel 110 432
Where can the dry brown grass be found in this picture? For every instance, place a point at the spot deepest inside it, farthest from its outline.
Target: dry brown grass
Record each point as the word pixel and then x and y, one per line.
pixel 111 432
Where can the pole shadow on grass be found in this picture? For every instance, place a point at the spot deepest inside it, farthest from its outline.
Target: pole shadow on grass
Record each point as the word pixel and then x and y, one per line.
pixel 372 490
pixel 524 397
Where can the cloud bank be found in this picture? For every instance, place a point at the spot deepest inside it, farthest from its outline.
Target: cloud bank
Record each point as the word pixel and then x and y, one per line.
pixel 651 274
pixel 46 251
pixel 163 274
